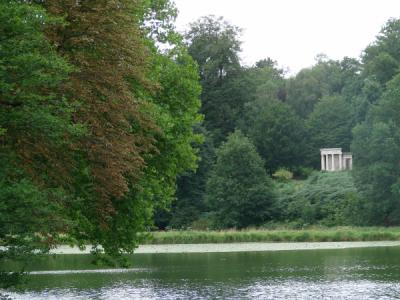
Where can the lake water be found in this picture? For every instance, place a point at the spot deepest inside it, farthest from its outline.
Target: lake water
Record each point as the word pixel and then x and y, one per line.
pixel 361 273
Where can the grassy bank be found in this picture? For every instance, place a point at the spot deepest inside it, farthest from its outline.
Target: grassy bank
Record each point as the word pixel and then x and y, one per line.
pixel 278 235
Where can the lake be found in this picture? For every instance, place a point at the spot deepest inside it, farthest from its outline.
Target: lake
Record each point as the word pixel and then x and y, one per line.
pixel 358 273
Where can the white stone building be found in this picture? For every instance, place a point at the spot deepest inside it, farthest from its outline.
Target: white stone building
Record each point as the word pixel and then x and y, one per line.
pixel 333 159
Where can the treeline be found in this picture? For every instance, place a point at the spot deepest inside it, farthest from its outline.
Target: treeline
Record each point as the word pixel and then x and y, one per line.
pixel 97 104
pixel 256 117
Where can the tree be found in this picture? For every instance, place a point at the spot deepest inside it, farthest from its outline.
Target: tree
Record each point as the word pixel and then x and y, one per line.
pixel 68 63
pixel 214 44
pixel 277 132
pixel 175 110
pixel 37 137
pixel 238 189
pixel 139 103
pixel 375 147
pixel 380 64
pixel 381 59
pixel 329 125
pixel 305 90
pixel 191 187
pixel 104 41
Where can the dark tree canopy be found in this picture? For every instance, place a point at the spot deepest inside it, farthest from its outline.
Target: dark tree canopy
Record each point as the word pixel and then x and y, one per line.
pixel 278 134
pixel 376 147
pixel 214 44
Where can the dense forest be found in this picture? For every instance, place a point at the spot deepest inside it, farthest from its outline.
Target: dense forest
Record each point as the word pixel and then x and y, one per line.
pixel 257 116
pixel 113 124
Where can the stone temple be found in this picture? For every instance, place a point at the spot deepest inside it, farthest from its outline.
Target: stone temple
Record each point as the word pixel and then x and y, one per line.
pixel 333 159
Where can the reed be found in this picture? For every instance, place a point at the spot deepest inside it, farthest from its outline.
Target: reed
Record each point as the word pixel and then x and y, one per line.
pixel 277 235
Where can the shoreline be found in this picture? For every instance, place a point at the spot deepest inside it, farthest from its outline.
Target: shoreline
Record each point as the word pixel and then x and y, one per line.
pixel 238 247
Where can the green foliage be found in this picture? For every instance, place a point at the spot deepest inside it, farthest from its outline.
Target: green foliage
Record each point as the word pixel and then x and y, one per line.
pixel 324 198
pixel 214 45
pixel 278 133
pixel 382 58
pixel 36 137
pixel 175 110
pixel 302 172
pixel 329 126
pixel 262 84
pixel 280 234
pixel 238 189
pixel 25 232
pixel 376 146
pixel 306 89
pixel 191 186
pixel 282 175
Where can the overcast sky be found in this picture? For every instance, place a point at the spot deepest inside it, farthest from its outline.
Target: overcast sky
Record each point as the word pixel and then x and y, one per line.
pixel 293 32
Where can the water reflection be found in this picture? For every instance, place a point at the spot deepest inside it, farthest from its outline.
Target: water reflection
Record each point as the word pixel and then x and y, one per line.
pixel 369 273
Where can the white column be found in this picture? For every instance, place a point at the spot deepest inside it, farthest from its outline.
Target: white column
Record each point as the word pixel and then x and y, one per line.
pixel 322 162
pixel 340 162
pixel 328 168
pixel 333 162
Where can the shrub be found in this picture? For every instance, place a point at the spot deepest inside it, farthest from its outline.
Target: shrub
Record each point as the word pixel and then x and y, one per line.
pixel 328 199
pixel 283 175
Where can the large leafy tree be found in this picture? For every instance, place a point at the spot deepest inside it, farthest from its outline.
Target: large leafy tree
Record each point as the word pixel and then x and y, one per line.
pixel 238 189
pixel 100 181
pixel 103 40
pixel 376 146
pixel 139 104
pixel 37 136
pixel 105 43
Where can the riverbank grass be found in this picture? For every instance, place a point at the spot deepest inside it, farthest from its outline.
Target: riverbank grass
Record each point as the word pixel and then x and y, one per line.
pixel 276 235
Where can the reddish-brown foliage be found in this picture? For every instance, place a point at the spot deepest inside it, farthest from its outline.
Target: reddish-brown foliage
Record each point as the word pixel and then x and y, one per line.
pixel 103 40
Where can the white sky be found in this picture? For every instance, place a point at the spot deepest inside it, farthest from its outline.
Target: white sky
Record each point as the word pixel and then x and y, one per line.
pixel 293 32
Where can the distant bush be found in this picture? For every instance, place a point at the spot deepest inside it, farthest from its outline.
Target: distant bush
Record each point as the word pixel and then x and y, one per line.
pixel 205 222
pixel 329 199
pixel 283 175
pixel 302 172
